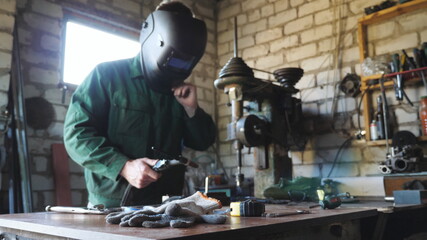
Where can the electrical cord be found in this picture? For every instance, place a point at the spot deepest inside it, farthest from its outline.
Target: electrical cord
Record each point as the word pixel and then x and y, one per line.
pixel 344 144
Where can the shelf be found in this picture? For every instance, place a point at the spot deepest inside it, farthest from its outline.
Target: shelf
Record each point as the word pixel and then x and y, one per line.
pixel 393 12
pixel 366 82
pixel 383 142
pixel 389 83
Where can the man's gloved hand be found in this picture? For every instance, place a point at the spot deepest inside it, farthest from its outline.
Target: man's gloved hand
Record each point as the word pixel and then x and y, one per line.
pixel 179 213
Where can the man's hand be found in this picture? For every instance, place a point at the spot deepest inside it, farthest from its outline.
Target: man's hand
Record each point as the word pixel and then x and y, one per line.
pixel 139 173
pixel 186 95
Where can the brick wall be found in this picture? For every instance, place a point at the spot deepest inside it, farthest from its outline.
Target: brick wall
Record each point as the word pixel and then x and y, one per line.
pixel 40 25
pixel 306 33
pixel 7 21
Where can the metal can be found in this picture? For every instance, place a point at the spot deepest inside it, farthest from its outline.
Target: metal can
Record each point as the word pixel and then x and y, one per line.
pixel 373 129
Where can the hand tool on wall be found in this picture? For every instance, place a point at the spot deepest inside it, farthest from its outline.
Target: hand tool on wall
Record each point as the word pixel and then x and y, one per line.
pixel 397 66
pixel 418 64
pixel 398 86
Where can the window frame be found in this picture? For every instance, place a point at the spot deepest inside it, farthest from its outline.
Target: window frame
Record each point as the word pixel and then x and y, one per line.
pixel 105 24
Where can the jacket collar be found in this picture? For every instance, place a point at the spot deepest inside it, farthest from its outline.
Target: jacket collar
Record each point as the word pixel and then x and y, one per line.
pixel 136 71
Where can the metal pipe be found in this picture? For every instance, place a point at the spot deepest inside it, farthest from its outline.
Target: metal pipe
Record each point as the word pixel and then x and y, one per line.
pixel 235 38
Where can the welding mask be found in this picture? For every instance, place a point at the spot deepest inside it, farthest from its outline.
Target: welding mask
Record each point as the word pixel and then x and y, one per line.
pixel 171 45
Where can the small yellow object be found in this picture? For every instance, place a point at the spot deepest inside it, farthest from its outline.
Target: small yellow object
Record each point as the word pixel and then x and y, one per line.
pixel 248 208
pixel 321 194
pixel 235 209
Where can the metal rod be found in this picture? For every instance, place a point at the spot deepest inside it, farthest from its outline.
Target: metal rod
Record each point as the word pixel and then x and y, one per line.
pixel 21 127
pixel 385 114
pixel 235 38
pixel 404 72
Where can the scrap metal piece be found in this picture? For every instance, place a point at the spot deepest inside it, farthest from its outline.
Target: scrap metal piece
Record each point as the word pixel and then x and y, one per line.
pixel 284 214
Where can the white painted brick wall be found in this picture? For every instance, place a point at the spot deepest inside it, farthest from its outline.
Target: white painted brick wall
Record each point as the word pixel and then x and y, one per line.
pixel 4 82
pixel 281 5
pixel 307 81
pixel 301 52
pixel 5 61
pixel 204 10
pixel 313 6
pixel 310 109
pixel 406 41
pixel 316 63
pixel 229 11
pixel 254 15
pixel 299 24
pixel 226 36
pixel 324 16
pixel 341 170
pixel 295 3
pixel 6 41
pixel 51 43
pixel 269 61
pixel 40 182
pixel 405 116
pixel 251 4
pixel 255 51
pixel 267 11
pixel 350 55
pixel 316 94
pixel 47 8
pixel 316 33
pixel 105 8
pixel 412 22
pixel 42 23
pixel 284 42
pixel 254 27
pixel 6 23
pixel 39 75
pixel 282 18
pixel 127 5
pixel 245 42
pixel 37 57
pixel 306 170
pixel 8 5
pixel 40 163
pixel 381 30
pixel 423 36
pixel 268 35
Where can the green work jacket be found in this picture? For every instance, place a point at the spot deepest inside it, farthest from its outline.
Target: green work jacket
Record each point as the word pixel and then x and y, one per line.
pixel 114 117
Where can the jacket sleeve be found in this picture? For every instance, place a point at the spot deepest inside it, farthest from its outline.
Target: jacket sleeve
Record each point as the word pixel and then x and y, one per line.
pixel 200 131
pixel 85 129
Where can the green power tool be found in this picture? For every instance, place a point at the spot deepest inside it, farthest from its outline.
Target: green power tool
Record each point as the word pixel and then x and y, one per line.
pixel 328 201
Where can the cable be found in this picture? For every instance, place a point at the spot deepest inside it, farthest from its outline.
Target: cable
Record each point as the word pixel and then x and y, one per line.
pixel 359 107
pixel 344 144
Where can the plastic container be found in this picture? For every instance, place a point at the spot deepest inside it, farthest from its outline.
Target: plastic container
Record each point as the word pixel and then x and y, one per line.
pixel 423 114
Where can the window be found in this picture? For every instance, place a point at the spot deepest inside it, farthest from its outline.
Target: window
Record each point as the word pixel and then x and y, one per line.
pixel 85 47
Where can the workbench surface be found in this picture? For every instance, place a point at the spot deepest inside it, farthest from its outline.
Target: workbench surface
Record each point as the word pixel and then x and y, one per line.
pixel 84 226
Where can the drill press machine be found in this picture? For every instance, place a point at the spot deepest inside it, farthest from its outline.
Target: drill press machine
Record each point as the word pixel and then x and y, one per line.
pixel 272 122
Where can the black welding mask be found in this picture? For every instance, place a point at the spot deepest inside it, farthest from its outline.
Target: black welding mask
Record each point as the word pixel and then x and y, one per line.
pixel 171 45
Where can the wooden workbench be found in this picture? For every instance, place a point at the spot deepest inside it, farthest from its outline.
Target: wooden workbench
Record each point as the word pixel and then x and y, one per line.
pixel 50 225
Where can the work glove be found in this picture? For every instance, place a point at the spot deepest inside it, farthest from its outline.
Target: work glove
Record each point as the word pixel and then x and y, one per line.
pixel 178 214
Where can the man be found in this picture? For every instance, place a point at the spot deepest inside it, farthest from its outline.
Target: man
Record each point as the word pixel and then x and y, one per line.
pixel 125 108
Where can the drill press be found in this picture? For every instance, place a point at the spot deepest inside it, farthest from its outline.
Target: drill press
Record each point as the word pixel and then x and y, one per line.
pixel 273 118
